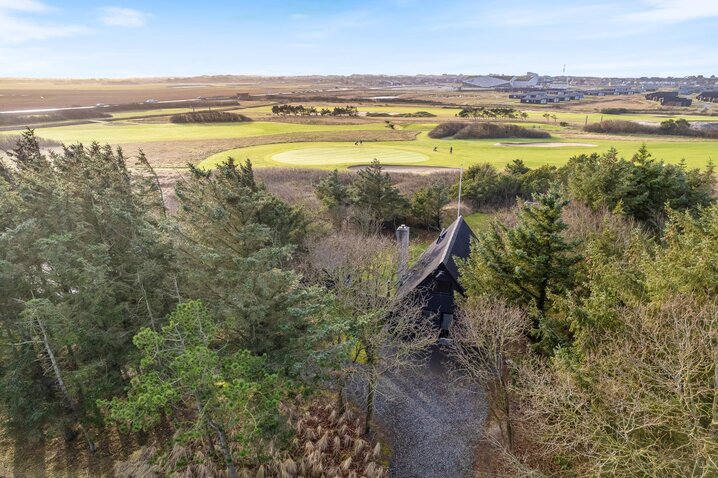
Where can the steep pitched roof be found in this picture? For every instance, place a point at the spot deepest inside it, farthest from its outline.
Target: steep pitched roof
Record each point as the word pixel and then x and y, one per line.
pixel 454 241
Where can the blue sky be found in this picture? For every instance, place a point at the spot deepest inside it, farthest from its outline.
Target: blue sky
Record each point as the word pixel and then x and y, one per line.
pixel 76 38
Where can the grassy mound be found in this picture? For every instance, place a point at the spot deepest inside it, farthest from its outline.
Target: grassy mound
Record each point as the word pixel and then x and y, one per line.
pixel 669 127
pixel 208 117
pixel 484 130
pixel 418 114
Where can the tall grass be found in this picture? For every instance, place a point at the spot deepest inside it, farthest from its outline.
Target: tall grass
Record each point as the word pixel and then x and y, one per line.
pixel 460 130
pixel 9 141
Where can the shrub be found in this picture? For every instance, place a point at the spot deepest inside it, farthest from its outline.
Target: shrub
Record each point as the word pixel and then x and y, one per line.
pixel 641 187
pixel 484 130
pixel 615 111
pixel 671 127
pixel 208 117
pixel 486 186
pixel 620 126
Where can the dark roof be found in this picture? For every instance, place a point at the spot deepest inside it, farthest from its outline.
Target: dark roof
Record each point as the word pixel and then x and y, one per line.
pixel 454 241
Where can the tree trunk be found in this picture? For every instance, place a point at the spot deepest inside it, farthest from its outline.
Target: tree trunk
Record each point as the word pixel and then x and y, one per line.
pixel 61 383
pixel 369 404
pixel 231 470
pixel 341 403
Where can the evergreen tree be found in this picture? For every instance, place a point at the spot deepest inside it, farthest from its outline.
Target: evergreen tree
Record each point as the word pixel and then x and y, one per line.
pixel 334 195
pixel 235 241
pixel 83 266
pixel 374 195
pixel 642 187
pixel 428 203
pixel 527 264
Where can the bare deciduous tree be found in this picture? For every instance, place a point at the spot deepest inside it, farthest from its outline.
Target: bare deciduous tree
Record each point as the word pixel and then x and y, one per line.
pixel 487 334
pixel 373 332
pixel 643 403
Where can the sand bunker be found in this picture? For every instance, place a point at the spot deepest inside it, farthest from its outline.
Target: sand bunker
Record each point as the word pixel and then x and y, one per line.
pixel 409 169
pixel 540 144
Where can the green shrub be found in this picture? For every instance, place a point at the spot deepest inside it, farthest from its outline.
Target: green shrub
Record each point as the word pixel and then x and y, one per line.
pixel 484 130
pixel 208 117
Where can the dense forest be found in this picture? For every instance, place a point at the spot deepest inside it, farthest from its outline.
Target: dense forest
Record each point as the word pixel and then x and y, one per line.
pixel 228 332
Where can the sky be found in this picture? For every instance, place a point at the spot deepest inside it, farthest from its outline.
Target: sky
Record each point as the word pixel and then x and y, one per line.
pixel 112 39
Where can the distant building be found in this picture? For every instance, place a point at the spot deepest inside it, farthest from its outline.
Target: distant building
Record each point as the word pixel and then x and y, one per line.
pixel 661 95
pixel 488 82
pixel 668 98
pixel 677 101
pixel 708 96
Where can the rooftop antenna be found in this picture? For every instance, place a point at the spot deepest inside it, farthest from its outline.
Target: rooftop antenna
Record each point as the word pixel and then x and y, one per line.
pixel 461 174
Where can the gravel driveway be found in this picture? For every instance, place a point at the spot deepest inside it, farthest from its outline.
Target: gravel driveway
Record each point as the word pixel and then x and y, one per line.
pixel 431 423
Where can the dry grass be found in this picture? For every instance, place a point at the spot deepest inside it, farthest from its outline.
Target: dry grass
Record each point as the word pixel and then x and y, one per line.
pixel 56 458
pixel 9 141
pixel 326 444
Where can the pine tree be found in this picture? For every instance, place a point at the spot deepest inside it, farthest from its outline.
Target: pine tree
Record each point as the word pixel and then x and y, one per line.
pixel 428 203
pixel 374 195
pixel 235 240
pixel 334 195
pixel 526 264
pixel 83 266
pixel 186 368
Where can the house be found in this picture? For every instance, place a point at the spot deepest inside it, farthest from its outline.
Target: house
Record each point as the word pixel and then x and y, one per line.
pixel 434 278
pixel 676 101
pixel 660 95
pixel 669 98
pixel 708 96
pixel 534 99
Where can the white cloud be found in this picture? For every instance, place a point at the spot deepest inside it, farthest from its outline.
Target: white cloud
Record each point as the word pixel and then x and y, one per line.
pixel 24 6
pixel 123 17
pixel 19 23
pixel 673 11
pixel 296 16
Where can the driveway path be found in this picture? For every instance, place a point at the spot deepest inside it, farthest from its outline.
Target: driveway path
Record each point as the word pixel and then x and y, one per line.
pixel 432 423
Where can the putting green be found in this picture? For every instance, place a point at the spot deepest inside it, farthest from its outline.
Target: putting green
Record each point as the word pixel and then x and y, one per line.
pixel 347 155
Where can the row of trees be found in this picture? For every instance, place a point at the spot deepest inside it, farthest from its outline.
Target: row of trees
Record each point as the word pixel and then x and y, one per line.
pixel 114 312
pixel 491 113
pixel 300 110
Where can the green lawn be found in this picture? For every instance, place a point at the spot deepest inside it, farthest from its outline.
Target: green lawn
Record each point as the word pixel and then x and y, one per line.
pixel 696 152
pixel 580 118
pixel 130 132
pixel 333 156
pixel 478 221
